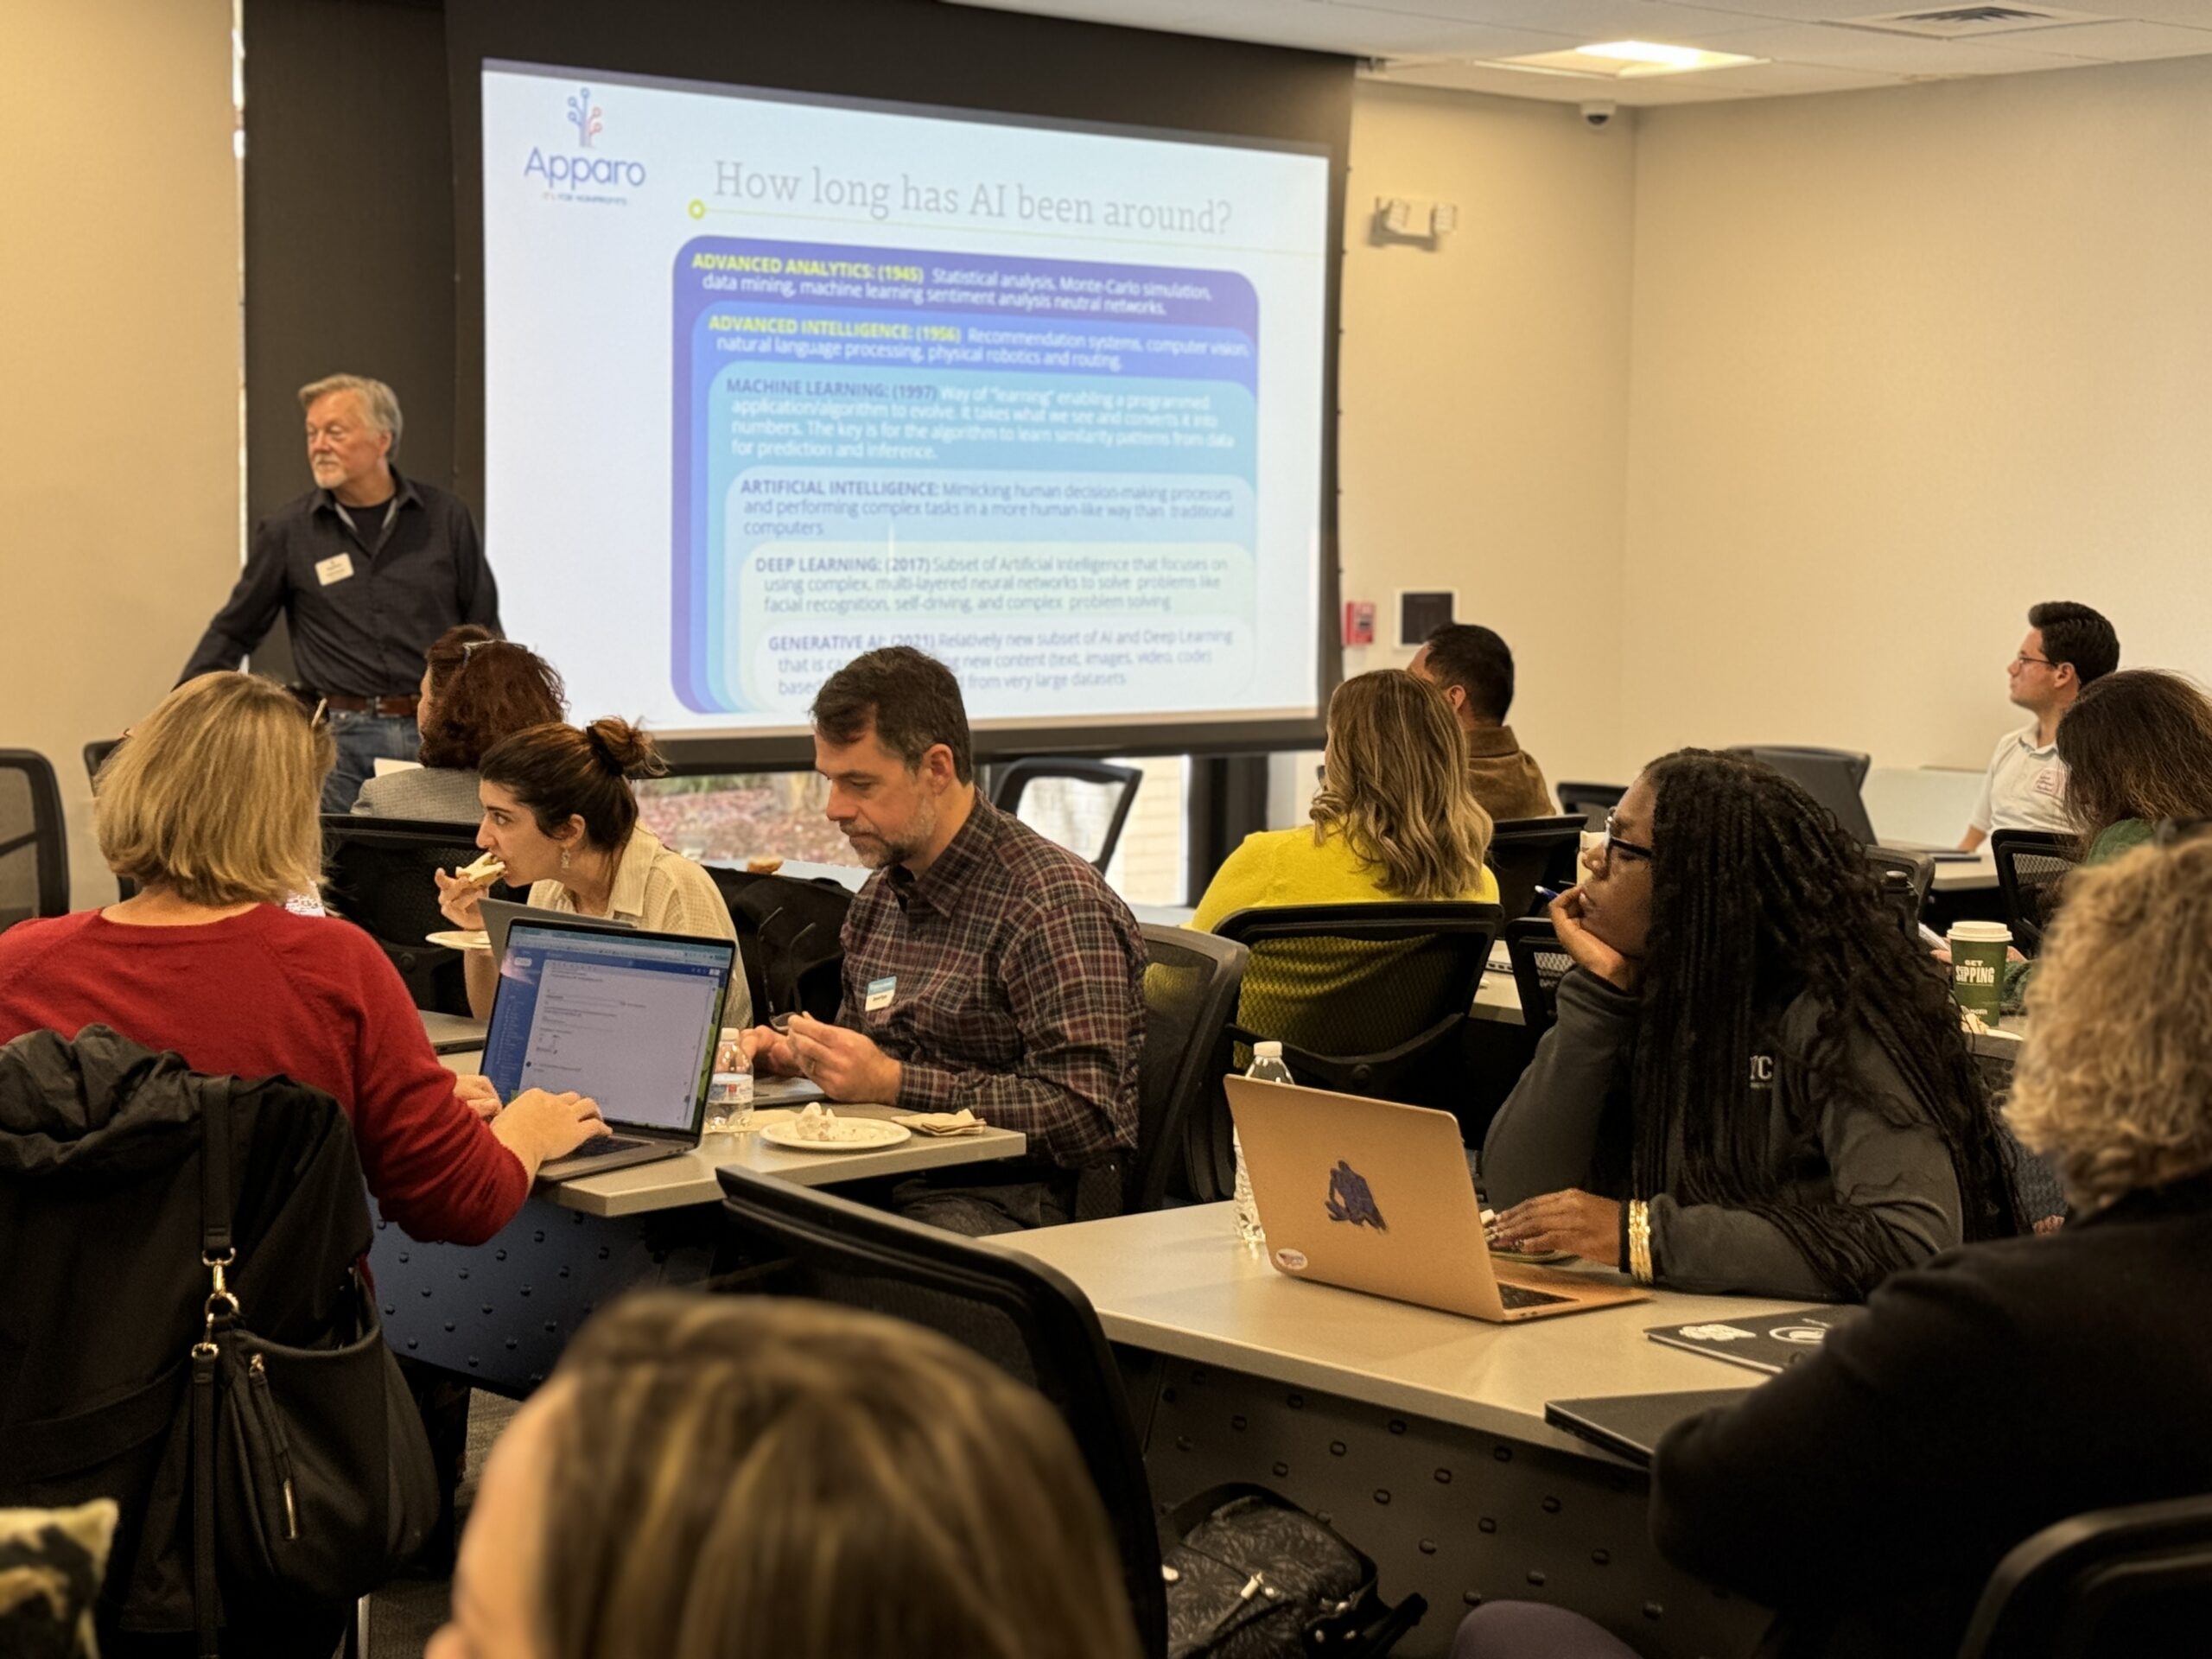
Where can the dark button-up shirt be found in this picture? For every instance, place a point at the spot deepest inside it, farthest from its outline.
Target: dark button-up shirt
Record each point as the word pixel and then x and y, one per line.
pixel 416 568
pixel 1016 988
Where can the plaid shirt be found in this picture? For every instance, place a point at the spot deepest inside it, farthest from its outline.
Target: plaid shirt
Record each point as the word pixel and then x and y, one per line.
pixel 1018 988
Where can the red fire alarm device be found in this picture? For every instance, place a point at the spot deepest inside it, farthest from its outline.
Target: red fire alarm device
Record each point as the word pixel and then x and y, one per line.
pixel 1359 622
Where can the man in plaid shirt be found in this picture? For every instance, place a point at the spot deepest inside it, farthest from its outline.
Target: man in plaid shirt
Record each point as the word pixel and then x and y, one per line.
pixel 985 967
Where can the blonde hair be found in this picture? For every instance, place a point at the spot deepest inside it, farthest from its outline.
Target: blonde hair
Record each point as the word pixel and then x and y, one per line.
pixel 2115 1081
pixel 216 795
pixel 1394 786
pixel 734 1475
pixel 379 404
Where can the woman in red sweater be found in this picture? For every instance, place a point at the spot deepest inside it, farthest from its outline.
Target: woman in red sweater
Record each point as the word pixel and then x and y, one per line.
pixel 210 808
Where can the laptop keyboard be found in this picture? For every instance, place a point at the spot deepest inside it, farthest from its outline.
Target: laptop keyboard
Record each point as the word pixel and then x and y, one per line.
pixel 1521 1296
pixel 615 1143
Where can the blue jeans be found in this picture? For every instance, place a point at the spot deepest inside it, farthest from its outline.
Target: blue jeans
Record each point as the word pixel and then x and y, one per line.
pixel 362 739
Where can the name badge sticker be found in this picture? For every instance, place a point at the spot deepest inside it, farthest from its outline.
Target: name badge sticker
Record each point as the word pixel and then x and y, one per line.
pixel 336 568
pixel 880 991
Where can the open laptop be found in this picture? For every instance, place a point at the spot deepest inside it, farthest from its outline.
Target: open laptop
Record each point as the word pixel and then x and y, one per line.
pixel 1377 1197
pixel 1834 781
pixel 628 1017
pixel 500 914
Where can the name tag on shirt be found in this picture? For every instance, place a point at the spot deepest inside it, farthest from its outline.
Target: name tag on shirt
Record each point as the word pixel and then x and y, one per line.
pixel 879 992
pixel 336 568
pixel 2051 781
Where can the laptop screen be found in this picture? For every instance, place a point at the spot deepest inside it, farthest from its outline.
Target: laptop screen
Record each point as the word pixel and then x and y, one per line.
pixel 629 1021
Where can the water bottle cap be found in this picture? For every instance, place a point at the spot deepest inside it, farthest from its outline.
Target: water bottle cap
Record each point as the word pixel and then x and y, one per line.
pixel 1267 1051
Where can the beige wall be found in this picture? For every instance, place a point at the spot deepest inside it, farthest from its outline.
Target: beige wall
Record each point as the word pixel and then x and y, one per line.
pixel 1903 362
pixel 118 323
pixel 1485 389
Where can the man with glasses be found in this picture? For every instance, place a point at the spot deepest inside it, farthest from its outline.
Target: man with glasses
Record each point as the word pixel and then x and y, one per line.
pixel 369 568
pixel 2067 648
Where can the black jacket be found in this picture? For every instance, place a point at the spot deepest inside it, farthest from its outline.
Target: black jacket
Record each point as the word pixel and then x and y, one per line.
pixel 1869 1492
pixel 1822 1148
pixel 103 1290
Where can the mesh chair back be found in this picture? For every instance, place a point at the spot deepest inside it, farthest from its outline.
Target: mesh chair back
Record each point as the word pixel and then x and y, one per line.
pixel 1592 801
pixel 1525 851
pixel 1093 799
pixel 791 935
pixel 1359 994
pixel 1020 1314
pixel 377 874
pixel 1904 878
pixel 33 841
pixel 1190 982
pixel 1540 962
pixel 2110 1585
pixel 2030 866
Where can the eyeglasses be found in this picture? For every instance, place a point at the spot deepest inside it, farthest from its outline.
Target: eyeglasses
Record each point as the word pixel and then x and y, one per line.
pixel 2022 659
pixel 1627 849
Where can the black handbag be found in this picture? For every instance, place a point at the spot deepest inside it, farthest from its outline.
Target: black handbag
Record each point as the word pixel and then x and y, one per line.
pixel 312 1479
pixel 1256 1577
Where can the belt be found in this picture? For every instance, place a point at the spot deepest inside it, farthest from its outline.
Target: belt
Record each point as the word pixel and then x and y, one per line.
pixel 390 708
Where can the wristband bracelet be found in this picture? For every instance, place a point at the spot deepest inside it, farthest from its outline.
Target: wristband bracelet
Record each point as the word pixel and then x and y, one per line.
pixel 1639 1241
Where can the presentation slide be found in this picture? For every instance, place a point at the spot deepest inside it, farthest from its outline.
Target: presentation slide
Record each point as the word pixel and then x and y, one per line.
pixel 772 381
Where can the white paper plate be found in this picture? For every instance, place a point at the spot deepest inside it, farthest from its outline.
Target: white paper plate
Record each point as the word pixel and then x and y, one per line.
pixel 879 1135
pixel 475 939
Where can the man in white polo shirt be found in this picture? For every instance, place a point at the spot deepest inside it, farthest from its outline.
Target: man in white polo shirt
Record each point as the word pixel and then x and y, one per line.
pixel 2068 645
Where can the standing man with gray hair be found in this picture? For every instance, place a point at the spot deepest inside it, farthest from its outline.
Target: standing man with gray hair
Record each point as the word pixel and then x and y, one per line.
pixel 369 568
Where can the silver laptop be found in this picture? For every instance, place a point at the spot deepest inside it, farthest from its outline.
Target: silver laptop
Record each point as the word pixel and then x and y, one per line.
pixel 500 914
pixel 1377 1197
pixel 628 1017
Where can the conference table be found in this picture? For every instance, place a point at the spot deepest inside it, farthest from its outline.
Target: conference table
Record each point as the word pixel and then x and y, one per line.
pixel 1419 1434
pixel 500 1312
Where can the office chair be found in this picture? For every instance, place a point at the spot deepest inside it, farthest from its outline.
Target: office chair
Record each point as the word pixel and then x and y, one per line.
pixel 34 839
pixel 1526 851
pixel 1904 879
pixel 378 877
pixel 1020 1314
pixel 1012 779
pixel 1191 984
pixel 1360 995
pixel 1540 962
pixel 2110 1583
pixel 1592 801
pixel 1783 756
pixel 96 755
pixel 791 936
pixel 2031 865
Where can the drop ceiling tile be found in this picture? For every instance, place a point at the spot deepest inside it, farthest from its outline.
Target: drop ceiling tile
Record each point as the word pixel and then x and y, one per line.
pixel 1587 20
pixel 1366 31
pixel 2125 42
pixel 1897 54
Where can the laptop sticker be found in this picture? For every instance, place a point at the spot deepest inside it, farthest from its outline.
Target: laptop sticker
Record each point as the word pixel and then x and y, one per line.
pixel 1349 1198
pixel 1291 1260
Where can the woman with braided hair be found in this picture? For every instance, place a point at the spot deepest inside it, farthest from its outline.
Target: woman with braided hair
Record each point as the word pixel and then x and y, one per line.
pixel 1756 1082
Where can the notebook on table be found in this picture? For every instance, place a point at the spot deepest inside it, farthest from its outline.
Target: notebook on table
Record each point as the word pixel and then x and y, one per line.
pixel 1631 1425
pixel 627 1018
pixel 1772 1342
pixel 1373 1196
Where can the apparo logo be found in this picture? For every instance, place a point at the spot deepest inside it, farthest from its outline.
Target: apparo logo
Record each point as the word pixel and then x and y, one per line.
pixel 558 171
pixel 583 115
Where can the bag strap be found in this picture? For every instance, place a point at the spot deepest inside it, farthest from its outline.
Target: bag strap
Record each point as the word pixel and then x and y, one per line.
pixel 216 1205
pixel 217 1252
pixel 206 1605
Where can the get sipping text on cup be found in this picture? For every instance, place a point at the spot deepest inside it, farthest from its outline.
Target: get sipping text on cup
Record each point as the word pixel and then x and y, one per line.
pixel 1978 951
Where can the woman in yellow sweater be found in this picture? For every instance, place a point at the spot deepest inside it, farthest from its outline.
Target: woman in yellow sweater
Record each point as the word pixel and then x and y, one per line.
pixel 1393 819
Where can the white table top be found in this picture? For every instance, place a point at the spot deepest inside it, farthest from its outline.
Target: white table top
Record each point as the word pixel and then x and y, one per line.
pixel 451 1027
pixel 1177 1283
pixel 1978 874
pixel 673 1182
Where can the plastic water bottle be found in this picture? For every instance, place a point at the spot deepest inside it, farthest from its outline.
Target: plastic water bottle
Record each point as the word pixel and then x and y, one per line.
pixel 1266 1067
pixel 729 1091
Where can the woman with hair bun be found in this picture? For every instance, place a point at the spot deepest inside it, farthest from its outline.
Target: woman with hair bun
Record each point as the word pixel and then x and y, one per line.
pixel 560 818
